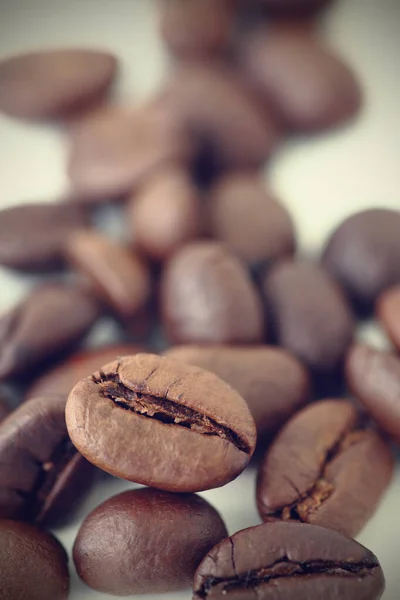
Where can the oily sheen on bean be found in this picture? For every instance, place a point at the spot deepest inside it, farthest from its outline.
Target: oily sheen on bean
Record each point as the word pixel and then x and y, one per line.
pixel 319 469
pixel 156 421
pixel 289 561
pixel 157 538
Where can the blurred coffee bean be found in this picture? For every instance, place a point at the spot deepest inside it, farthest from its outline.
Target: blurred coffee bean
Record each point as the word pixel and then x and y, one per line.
pixel 289 8
pixel 207 296
pixel 309 313
pixel 246 216
pixel 54 83
pixel 117 274
pixel 363 254
pixel 198 29
pixel 32 235
pixel 374 378
pixel 115 149
pixel 221 113
pixel 272 381
pixel 49 321
pixel 165 214
pixel 307 86
pixel 5 409
pixel 388 313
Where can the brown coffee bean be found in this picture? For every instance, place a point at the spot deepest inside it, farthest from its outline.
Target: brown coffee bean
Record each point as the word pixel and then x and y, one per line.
pixel 309 312
pixel 294 8
pixel 207 296
pixel 319 470
pixel 165 214
pixel 49 321
pixel 158 540
pixel 115 149
pixel 304 83
pixel 198 29
pixel 118 275
pixel 388 312
pixel 32 235
pixel 289 561
pixel 201 431
pixel 374 378
pixel 34 565
pixel 246 216
pixel 273 383
pixel 221 113
pixel 54 83
pixel 363 254
pixel 42 476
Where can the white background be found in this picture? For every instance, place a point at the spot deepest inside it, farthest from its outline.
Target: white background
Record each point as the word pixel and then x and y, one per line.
pixel 321 180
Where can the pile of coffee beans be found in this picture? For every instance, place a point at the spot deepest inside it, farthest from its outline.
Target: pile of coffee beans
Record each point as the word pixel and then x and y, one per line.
pixel 232 345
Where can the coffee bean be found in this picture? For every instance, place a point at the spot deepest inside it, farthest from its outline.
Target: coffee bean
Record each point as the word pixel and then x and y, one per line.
pixel 50 320
pixel 4 408
pixel 363 253
pixel 42 476
pixel 61 379
pixel 117 274
pixel 289 561
pixel 162 423
pixel 221 113
pixel 54 83
pixel 374 378
pixel 309 313
pixel 302 82
pixel 158 540
pixel 388 312
pixel 115 150
pixel 34 565
pixel 198 29
pixel 295 8
pixel 32 235
pixel 319 470
pixel 207 296
pixel 246 216
pixel 165 214
pixel 272 381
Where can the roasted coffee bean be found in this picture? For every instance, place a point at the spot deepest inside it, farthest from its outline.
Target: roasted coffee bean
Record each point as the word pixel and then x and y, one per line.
pixel 319 470
pixel 165 214
pixel 309 313
pixel 302 82
pixel 118 275
pixel 246 216
pixel 363 254
pixel 114 150
pixel 221 113
pixel 207 296
pixel 388 312
pixel 49 321
pixel 272 381
pixel 158 540
pixel 34 565
pixel 374 378
pixel 42 476
pixel 32 235
pixel 60 380
pixel 55 83
pixel 198 29
pixel 289 561
pixel 201 431
pixel 292 8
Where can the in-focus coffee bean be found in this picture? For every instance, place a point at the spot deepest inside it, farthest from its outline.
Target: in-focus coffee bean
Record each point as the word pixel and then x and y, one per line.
pixel 34 565
pixel 374 378
pixel 272 381
pixel 54 83
pixel 157 421
pixel 42 476
pixel 157 538
pixel 207 296
pixel 50 320
pixel 388 313
pixel 320 467
pixel 289 561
